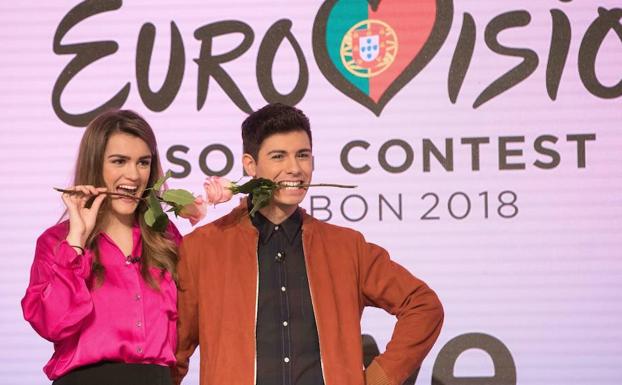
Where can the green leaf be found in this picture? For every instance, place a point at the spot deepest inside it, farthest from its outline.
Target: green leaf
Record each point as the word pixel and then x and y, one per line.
pixel 257 183
pixel 155 216
pixel 178 197
pixel 160 182
pixel 149 217
pixel 154 203
pixel 161 222
pixel 261 198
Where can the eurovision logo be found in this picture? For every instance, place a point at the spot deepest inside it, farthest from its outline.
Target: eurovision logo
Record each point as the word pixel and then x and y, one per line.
pixel 369 50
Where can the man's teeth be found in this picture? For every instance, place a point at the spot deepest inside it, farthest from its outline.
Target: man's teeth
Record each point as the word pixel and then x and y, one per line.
pixel 291 184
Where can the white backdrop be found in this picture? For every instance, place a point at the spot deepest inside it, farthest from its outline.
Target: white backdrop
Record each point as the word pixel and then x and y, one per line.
pixel 541 273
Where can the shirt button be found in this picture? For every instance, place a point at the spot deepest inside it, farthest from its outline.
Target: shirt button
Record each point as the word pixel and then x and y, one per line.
pixel 139 324
pixel 276 228
pixel 284 323
pixel 283 288
pixel 139 349
pixel 286 359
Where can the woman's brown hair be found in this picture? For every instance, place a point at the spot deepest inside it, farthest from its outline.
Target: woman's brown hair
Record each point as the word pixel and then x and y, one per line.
pixel 158 248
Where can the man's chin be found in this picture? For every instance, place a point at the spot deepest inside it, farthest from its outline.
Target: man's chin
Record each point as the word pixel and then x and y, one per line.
pixel 294 197
pixel 288 202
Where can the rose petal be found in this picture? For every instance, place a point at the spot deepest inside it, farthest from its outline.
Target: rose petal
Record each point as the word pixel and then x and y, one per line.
pixel 217 189
pixel 194 211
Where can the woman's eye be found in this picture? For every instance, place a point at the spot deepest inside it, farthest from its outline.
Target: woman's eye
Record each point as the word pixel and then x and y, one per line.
pixel 144 163
pixel 118 161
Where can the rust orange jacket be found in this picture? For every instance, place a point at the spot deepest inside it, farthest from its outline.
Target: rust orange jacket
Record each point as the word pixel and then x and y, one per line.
pixel 217 303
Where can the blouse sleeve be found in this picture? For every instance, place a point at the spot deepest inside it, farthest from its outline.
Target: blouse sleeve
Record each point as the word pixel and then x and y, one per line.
pixel 57 300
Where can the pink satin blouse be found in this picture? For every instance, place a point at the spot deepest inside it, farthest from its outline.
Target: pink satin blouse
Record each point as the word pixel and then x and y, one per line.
pixel 123 320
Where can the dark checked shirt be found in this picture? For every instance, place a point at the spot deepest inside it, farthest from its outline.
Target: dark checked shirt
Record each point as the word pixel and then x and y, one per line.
pixel 288 350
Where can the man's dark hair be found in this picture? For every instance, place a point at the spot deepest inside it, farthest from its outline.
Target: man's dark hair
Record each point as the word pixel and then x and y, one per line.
pixel 275 118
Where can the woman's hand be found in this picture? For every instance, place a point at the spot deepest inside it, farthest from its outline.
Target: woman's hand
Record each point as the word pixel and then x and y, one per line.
pixel 81 218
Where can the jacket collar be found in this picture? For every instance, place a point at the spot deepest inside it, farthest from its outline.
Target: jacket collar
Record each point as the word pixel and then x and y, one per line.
pixel 239 216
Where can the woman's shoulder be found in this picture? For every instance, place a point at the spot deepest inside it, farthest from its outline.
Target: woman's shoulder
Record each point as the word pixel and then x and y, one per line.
pixel 170 232
pixel 56 232
pixel 173 233
pixel 51 238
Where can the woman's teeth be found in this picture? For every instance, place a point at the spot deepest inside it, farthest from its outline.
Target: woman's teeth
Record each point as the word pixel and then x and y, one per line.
pixel 125 189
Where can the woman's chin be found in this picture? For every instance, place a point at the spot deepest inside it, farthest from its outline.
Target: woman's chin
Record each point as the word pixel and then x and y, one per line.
pixel 123 207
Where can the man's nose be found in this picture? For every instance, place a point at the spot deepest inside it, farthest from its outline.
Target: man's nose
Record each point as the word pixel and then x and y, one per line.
pixel 293 165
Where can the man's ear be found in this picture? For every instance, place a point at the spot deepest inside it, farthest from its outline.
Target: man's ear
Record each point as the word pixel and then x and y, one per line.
pixel 250 165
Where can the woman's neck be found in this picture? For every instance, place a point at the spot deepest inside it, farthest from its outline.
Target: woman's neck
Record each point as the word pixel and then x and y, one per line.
pixel 120 231
pixel 114 223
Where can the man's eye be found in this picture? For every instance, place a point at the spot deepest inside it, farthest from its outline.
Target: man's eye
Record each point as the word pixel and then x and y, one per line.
pixel 277 156
pixel 304 155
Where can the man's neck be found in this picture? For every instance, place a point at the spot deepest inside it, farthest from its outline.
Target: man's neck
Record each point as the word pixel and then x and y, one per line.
pixel 277 214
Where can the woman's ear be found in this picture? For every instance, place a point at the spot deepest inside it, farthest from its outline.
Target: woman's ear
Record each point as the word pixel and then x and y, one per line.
pixel 250 165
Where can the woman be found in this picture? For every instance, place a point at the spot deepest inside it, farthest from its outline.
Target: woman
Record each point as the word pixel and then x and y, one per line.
pixel 102 285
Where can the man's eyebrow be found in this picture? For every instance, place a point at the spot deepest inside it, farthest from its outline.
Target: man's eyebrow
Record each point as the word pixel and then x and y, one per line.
pixel 284 152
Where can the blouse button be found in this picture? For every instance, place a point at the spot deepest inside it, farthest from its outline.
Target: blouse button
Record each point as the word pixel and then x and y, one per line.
pixel 139 324
pixel 139 349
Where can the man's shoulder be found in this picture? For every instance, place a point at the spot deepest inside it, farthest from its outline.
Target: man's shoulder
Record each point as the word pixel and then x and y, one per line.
pixel 217 228
pixel 331 230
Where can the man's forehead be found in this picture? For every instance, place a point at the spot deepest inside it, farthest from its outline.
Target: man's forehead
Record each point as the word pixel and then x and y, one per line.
pixel 288 141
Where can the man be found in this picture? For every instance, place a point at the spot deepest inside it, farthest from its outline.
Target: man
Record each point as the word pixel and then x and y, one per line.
pixel 277 298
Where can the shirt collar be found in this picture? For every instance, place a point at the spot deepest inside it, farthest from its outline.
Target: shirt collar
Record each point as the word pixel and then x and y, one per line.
pixel 137 248
pixel 290 227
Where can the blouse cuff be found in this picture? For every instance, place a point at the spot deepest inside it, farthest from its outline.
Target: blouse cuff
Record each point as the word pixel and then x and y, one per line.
pixel 68 257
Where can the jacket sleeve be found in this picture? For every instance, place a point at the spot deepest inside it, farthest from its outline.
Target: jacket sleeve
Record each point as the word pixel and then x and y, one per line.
pixel 57 299
pixel 187 307
pixel 389 286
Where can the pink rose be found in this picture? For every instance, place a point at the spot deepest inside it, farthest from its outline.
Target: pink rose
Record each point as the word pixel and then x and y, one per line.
pixel 217 189
pixel 194 211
